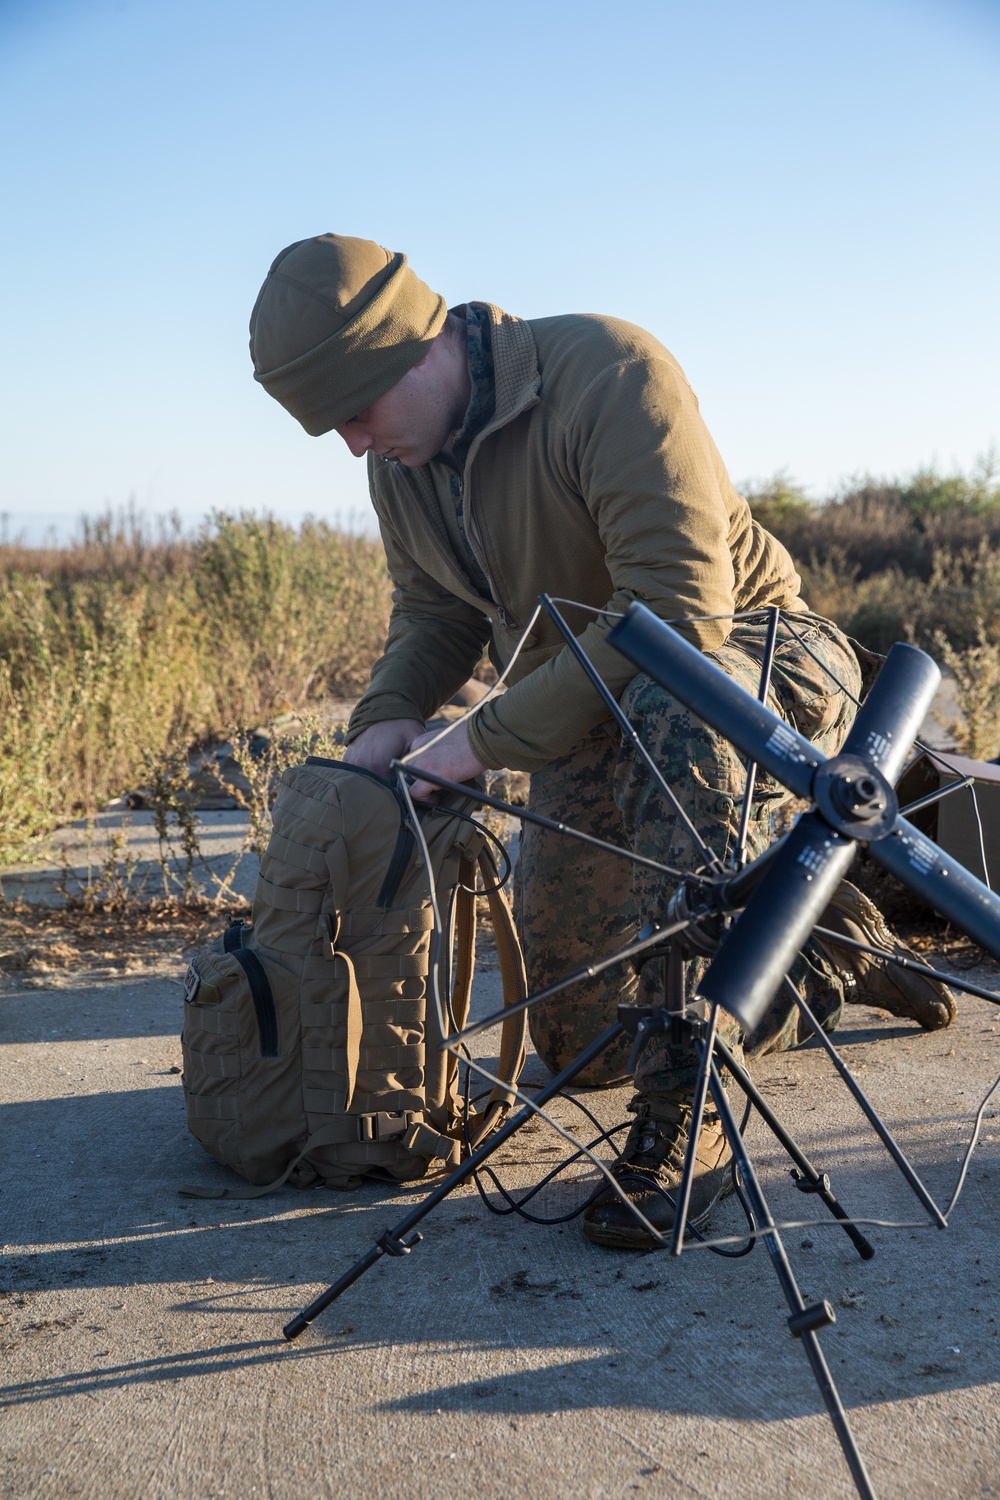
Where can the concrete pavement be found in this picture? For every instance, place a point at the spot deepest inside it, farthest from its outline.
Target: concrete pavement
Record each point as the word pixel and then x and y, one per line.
pixel 142 1340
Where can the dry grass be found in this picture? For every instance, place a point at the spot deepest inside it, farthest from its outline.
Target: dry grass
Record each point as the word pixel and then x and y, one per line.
pixel 976 671
pixel 122 651
pixel 907 560
pixel 44 947
pixel 897 560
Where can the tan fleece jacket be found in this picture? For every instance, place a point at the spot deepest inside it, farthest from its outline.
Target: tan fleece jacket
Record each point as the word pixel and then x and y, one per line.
pixel 597 481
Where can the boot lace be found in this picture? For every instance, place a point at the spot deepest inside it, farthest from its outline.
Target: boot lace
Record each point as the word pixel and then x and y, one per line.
pixel 654 1144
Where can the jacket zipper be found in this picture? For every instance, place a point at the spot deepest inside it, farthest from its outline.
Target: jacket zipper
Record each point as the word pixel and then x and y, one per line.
pixel 505 619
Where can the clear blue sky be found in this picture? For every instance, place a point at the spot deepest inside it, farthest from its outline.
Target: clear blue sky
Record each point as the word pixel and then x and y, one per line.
pixel 800 199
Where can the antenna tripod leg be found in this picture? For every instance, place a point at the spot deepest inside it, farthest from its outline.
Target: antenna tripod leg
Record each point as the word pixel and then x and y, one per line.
pixel 402 1237
pixel 709 1044
pixel 808 1178
pixel 804 1321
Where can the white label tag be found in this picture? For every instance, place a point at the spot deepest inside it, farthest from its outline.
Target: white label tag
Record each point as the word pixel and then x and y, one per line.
pixel 192 979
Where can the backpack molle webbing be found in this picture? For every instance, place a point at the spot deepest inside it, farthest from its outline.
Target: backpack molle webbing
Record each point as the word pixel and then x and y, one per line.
pixel 311 1037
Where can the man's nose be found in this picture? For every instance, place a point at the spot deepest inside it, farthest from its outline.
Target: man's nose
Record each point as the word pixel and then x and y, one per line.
pixel 356 438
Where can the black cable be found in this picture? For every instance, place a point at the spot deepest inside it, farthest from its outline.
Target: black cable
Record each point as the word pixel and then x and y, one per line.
pixel 517 1205
pixel 507 866
pixel 603 1135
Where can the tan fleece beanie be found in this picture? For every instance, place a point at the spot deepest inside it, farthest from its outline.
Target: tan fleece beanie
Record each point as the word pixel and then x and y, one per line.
pixel 337 323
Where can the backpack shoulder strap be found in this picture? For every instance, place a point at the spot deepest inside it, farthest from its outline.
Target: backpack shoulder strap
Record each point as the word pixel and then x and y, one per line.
pixel 514 981
pixel 465 946
pixel 513 1035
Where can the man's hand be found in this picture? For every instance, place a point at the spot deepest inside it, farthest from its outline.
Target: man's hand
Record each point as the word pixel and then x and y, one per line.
pixel 451 757
pixel 381 743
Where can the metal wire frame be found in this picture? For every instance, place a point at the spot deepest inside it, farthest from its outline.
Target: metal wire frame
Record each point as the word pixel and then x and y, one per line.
pixel 455 1039
pixel 805 1321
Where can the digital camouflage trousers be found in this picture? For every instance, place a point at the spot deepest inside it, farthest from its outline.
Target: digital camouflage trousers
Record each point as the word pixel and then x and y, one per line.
pixel 576 903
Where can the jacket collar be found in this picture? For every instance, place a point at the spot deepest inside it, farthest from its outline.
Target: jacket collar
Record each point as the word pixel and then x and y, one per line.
pixel 516 376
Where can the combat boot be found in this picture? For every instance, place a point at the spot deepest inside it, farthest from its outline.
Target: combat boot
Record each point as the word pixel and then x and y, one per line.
pixel 877 981
pixel 650 1165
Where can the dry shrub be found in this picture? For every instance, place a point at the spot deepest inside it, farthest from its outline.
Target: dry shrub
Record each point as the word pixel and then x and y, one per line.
pixel 896 560
pixel 961 593
pixel 123 650
pixel 976 671
pixel 287 616
pixel 262 772
pixel 114 546
pixel 93 678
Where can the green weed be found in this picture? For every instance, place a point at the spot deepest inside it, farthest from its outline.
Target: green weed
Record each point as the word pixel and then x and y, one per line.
pixel 894 560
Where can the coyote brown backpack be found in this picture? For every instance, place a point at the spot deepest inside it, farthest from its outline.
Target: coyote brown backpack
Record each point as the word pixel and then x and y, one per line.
pixel 311 1036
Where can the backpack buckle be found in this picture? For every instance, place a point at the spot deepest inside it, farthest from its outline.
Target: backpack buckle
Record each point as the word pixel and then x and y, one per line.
pixel 384 1126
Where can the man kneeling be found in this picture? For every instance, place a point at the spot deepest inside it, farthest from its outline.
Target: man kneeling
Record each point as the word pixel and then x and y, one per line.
pixel 567 455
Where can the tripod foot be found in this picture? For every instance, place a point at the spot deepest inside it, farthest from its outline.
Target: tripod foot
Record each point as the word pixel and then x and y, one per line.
pixel 820 1185
pixel 301 1321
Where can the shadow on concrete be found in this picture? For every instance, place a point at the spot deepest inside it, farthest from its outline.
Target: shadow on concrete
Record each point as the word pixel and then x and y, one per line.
pixel 87 1146
pixel 770 1387
pixel 856 1036
pixel 708 1364
pixel 187 1365
pixel 589 1329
